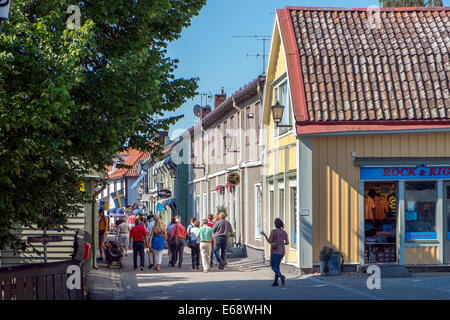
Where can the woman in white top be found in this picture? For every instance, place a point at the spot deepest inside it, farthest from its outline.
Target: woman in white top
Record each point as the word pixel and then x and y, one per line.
pixel 194 244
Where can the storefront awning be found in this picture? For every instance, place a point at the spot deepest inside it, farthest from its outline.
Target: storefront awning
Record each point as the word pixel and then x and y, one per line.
pixel 218 188
pixel 172 202
pixel 228 185
pixel 134 186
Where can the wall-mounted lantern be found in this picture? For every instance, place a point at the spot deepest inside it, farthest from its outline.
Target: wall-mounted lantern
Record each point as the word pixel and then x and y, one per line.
pixel 277 113
pixel 228 140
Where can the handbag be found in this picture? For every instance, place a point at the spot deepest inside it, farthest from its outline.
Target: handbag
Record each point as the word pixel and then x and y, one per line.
pixel 274 243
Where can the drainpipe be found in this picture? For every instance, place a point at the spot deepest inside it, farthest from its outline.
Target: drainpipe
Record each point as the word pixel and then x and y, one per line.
pixel 240 161
pixel 94 221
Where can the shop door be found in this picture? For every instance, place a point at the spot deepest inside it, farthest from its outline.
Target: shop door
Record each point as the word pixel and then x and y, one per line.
pixel 447 222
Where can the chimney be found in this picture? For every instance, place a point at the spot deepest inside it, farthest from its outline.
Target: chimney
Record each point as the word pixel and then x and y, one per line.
pixel 164 136
pixel 219 99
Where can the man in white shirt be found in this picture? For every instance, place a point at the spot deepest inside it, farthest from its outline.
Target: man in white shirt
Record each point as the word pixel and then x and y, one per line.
pixel 151 255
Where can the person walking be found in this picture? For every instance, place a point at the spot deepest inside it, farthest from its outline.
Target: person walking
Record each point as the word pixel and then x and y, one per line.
pixel 194 244
pixel 123 232
pixel 139 236
pixel 205 235
pixel 131 219
pixel 278 239
pixel 191 225
pixel 102 232
pixel 211 224
pixel 221 229
pixel 178 236
pixel 149 228
pixel 158 239
pixel 171 244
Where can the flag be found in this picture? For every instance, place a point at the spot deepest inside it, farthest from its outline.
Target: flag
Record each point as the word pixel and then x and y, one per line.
pixel 119 199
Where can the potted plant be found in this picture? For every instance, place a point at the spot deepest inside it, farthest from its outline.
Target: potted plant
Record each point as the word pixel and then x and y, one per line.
pixel 221 209
pixel 331 261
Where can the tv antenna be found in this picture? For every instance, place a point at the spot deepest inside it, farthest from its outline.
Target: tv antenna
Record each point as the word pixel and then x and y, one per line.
pixel 263 55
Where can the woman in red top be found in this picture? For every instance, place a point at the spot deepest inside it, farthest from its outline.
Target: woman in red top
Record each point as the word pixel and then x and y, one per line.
pixel 178 233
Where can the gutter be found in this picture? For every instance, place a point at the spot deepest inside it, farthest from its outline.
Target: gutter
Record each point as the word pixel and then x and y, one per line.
pixel 373 122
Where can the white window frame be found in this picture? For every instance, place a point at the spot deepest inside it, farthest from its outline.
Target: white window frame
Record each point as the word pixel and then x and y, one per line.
pixel 258 211
pixel 213 201
pixel 293 226
pixel 205 205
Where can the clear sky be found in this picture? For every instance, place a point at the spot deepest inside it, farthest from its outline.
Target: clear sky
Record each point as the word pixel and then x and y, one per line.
pixel 208 49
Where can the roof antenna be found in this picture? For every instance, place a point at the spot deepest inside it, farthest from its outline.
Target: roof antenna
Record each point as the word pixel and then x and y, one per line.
pixel 263 55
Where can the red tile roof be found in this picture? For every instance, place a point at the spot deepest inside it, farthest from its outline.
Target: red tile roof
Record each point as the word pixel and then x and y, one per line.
pixel 133 159
pixel 345 69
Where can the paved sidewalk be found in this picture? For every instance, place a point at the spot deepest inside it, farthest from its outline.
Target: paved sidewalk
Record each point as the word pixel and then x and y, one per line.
pixel 246 279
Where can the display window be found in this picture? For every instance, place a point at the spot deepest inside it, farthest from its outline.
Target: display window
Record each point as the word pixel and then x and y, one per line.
pixel 420 211
pixel 380 216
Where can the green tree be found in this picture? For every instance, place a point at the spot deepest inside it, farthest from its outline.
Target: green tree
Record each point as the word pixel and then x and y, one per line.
pixel 410 3
pixel 71 99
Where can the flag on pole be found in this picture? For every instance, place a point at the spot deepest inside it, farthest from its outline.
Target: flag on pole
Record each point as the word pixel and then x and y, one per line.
pixel 119 199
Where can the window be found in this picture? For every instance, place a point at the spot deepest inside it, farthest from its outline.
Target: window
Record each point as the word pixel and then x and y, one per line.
pixel 420 210
pixel 282 95
pixel 281 202
pixel 293 222
pixel 272 207
pixel 258 211
pixel 247 126
pixel 205 205
pixel 213 202
pixel 197 206
pixel 257 124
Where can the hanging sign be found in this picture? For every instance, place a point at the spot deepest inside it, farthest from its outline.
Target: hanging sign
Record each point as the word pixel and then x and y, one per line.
pixel 164 193
pixel 233 179
pixel 404 173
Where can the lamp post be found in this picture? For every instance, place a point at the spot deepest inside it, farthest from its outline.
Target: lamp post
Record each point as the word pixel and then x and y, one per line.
pixel 277 113
pixel 4 11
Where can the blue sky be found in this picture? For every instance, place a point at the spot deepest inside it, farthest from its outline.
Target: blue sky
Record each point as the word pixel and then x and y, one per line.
pixel 208 50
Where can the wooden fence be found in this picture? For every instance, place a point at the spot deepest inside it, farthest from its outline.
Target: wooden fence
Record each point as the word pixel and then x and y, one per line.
pixel 41 281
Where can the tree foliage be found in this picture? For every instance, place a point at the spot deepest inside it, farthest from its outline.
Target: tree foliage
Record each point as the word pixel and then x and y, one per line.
pixel 71 99
pixel 411 3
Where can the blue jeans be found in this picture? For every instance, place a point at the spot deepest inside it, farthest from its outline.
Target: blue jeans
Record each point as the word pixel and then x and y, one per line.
pixel 275 261
pixel 221 244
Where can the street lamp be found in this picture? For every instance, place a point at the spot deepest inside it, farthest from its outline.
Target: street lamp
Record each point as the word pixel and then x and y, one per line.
pixel 277 113
pixel 4 11
pixel 227 140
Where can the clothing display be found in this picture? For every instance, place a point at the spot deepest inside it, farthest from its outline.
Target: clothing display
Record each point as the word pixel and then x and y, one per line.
pixel 380 204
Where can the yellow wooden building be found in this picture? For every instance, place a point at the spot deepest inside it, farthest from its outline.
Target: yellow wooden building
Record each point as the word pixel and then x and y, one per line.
pixel 365 134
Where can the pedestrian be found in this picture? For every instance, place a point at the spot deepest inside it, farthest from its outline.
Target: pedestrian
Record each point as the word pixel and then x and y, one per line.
pixel 157 239
pixel 178 238
pixel 102 232
pixel 205 235
pixel 278 239
pixel 171 244
pixel 211 224
pixel 194 244
pixel 131 220
pixel 151 254
pixel 191 225
pixel 221 229
pixel 139 236
pixel 123 231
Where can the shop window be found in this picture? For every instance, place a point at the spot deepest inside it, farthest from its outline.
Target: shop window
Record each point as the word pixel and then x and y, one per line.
pixel 420 211
pixel 258 211
pixel 281 202
pixel 380 217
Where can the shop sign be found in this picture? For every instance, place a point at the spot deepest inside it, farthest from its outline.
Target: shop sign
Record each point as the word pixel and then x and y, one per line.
pixel 404 173
pixel 233 179
pixel 164 193
pixel 420 236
